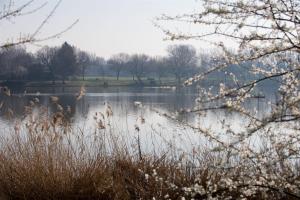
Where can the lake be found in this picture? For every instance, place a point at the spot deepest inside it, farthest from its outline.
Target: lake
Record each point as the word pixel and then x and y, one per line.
pixel 137 113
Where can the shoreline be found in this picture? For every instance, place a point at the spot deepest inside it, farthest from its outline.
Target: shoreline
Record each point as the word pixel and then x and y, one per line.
pixel 88 83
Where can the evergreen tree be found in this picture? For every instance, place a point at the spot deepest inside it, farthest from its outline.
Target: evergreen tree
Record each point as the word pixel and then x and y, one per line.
pixel 65 61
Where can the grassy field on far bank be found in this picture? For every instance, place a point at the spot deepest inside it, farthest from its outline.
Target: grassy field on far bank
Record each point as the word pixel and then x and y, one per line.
pixel 108 81
pixel 97 81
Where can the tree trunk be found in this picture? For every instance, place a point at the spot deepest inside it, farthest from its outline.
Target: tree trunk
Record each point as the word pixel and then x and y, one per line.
pixel 83 74
pixel 178 80
pixel 53 78
pixel 118 74
pixel 103 77
pixel 139 80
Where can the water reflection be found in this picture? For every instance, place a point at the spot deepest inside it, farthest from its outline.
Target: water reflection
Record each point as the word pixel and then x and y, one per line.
pixel 127 116
pixel 120 99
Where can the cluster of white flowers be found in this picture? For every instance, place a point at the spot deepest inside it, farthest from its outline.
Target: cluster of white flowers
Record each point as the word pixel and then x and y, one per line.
pixel 264 152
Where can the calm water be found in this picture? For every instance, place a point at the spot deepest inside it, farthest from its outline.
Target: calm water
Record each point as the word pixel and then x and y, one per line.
pixel 154 129
pixel 120 99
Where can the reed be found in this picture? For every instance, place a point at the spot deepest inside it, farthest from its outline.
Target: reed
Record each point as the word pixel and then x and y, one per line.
pixel 45 157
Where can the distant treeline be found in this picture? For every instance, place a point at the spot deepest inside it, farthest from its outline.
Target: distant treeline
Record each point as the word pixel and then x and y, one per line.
pixel 62 63
pixel 67 62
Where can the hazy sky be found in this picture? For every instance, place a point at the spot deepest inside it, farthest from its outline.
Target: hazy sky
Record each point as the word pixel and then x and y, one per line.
pixel 105 27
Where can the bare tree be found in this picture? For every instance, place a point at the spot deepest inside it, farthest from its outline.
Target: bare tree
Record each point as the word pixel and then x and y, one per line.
pixel 182 58
pixel 159 66
pixel 45 56
pixel 118 63
pixel 11 10
pixel 99 65
pixel 15 62
pixel 83 61
pixel 137 66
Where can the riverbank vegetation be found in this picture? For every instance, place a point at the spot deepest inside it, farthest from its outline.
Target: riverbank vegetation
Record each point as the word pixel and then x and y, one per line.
pixel 44 157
